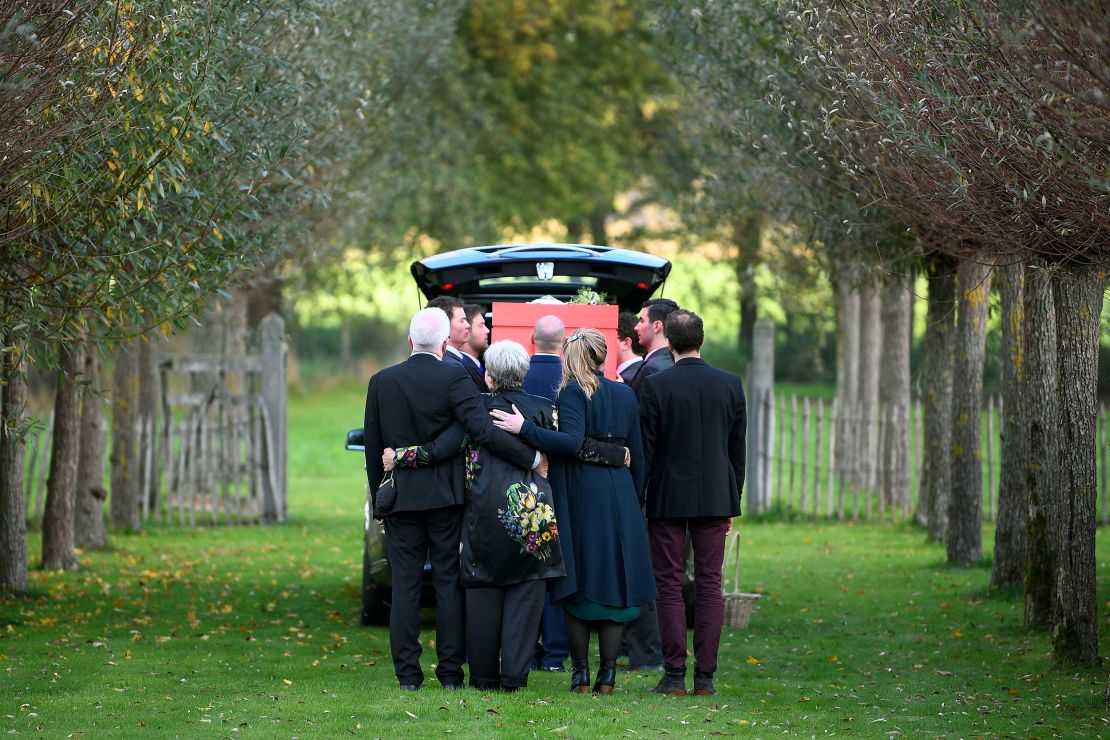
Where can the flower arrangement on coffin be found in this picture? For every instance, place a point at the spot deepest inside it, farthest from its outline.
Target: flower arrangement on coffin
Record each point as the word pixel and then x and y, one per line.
pixel 589 297
pixel 529 520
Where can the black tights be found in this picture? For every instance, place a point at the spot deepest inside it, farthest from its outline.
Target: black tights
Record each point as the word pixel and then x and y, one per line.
pixel 608 638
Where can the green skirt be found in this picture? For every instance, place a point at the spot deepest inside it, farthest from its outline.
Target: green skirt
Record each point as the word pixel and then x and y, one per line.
pixel 591 611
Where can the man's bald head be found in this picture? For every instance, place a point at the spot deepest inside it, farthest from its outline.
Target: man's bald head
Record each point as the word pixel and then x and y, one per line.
pixel 548 334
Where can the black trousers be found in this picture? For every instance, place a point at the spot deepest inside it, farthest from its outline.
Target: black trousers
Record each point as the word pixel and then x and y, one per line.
pixel 413 537
pixel 501 633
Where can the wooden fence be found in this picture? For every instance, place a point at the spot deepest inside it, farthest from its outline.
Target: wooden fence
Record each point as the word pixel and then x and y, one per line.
pixel 216 454
pixel 801 473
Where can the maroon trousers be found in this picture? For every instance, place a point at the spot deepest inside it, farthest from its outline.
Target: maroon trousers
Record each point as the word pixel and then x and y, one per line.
pixel 667 538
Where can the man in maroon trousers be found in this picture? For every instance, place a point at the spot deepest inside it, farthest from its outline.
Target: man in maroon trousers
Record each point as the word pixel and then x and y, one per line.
pixel 693 419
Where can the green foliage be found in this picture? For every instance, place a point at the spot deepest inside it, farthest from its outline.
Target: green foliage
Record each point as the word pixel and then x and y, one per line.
pixel 203 140
pixel 254 629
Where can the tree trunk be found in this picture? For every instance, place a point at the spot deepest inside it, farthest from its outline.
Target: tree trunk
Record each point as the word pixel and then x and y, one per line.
pixel 1011 544
pixel 124 506
pixel 847 374
pixel 894 393
pixel 1074 607
pixel 58 549
pixel 870 357
pixel 940 334
pixel 88 527
pixel 965 507
pixel 747 235
pixel 597 228
pixel 13 514
pixel 1042 444
pixel 264 296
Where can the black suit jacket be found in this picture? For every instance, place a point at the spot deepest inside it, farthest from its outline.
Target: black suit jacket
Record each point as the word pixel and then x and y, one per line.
pixel 413 402
pixel 694 420
pixel 476 375
pixel 654 363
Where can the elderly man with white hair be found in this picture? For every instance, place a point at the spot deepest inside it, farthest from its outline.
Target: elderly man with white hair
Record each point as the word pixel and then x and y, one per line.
pixel 408 403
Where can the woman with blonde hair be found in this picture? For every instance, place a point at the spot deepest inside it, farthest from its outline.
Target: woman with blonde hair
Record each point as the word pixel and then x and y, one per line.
pixel 605 547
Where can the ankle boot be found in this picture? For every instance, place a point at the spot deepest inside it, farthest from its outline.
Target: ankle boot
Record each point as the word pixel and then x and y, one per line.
pixel 703 684
pixel 673 682
pixel 606 677
pixel 579 676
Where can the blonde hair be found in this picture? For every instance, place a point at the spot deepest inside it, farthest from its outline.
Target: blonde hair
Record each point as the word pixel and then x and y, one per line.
pixel 583 355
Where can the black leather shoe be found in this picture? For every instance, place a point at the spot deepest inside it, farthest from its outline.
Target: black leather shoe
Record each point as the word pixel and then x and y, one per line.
pixel 606 677
pixel 672 683
pixel 580 676
pixel 703 684
pixel 410 687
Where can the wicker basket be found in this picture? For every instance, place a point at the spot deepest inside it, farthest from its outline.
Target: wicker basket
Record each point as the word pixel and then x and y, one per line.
pixel 738 605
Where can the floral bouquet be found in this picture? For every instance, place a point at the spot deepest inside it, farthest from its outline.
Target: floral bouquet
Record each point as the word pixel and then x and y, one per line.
pixel 528 520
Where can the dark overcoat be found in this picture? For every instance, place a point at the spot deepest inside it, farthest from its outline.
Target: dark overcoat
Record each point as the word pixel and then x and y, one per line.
pixel 605 547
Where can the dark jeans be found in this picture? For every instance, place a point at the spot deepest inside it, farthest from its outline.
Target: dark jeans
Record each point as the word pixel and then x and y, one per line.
pixel 500 633
pixel 668 542
pixel 413 538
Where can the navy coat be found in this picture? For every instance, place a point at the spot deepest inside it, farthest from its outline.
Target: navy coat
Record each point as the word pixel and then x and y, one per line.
pixel 543 376
pixel 605 545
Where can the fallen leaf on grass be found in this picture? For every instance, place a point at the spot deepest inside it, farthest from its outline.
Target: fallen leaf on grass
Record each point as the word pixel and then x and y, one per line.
pixel 944 673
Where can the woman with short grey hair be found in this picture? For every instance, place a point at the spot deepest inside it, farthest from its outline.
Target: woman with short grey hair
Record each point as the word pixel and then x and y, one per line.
pixel 506 365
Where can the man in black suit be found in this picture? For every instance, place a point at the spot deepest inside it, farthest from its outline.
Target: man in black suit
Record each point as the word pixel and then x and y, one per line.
pixel 641 635
pixel 693 419
pixel 455 311
pixel 407 404
pixel 649 330
pixel 476 344
pixel 629 352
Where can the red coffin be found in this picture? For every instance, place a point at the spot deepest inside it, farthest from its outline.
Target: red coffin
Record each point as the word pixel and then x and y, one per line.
pixel 515 321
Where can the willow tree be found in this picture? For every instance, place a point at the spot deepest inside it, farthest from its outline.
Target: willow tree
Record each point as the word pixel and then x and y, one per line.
pixel 987 121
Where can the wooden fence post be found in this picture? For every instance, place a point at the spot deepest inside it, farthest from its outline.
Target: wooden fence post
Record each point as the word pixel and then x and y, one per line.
pixel 274 396
pixel 761 378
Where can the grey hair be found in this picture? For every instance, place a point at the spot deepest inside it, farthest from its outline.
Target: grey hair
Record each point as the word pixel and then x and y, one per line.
pixel 428 329
pixel 507 364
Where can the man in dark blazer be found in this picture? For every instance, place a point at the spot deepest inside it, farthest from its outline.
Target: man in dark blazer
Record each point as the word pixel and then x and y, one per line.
pixel 693 419
pixel 545 371
pixel 641 635
pixel 629 352
pixel 407 404
pixel 457 339
pixel 476 344
pixel 649 330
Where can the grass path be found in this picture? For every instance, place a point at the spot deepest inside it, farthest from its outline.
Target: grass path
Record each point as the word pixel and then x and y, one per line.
pixel 253 631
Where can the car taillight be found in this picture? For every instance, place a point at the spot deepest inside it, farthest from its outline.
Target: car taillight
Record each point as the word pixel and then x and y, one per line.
pixel 448 286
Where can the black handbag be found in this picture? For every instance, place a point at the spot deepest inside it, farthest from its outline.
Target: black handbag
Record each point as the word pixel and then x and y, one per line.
pixel 385 497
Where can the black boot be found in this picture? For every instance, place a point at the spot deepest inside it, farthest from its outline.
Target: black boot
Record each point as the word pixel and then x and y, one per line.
pixel 579 676
pixel 703 684
pixel 673 682
pixel 606 677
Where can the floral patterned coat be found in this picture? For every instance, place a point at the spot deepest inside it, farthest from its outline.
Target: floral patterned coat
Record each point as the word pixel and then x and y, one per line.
pixel 510 532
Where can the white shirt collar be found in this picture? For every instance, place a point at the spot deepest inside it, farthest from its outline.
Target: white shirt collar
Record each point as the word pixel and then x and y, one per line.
pixel 471 357
pixel 424 352
pixel 649 354
pixel 547 354
pixel 627 364
pixel 454 351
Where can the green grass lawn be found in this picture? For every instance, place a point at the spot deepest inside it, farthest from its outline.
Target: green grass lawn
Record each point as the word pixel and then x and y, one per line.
pixel 863 630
